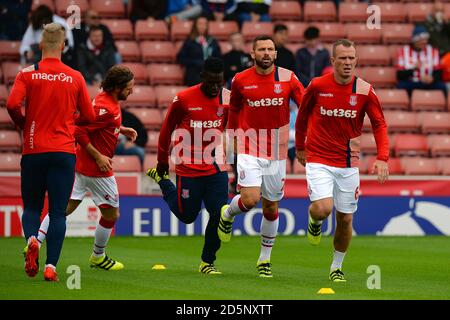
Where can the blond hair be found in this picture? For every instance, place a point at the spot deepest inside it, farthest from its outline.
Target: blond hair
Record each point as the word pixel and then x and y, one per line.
pixel 53 36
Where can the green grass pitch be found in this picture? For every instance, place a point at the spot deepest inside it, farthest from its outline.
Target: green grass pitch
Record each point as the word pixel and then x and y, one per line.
pixel 411 268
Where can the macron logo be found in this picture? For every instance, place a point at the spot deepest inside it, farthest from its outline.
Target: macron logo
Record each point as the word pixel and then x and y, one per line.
pixel 52 77
pixel 328 95
pixel 101 112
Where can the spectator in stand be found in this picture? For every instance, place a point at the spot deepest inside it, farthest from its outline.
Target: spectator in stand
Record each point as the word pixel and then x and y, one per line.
pixel 29 48
pixel 95 57
pixel 183 10
pixel 219 10
pixel 148 9
pixel 439 29
pixel 237 59
pixel 92 19
pixel 313 59
pixel 198 47
pixel 285 57
pixel 253 10
pixel 14 18
pixel 418 65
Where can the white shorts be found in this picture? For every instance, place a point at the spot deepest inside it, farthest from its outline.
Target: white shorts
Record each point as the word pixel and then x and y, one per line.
pixel 341 184
pixel 104 190
pixel 259 172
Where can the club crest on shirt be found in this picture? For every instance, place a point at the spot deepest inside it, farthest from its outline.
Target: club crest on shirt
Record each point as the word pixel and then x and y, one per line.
pixel 185 193
pixel 353 100
pixel 219 111
pixel 242 175
pixel 277 88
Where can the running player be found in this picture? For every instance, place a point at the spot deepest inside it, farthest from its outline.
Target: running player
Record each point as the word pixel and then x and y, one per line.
pixel 328 131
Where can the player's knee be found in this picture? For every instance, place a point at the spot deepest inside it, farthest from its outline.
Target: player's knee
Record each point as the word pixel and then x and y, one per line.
pixel 344 220
pixel 320 210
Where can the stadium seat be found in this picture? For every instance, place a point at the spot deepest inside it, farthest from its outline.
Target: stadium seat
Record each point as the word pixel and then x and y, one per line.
pixel 399 33
pixel 362 165
pixel 447 11
pixel 393 99
pixel 63 5
pixel 121 29
pixel 164 113
pixel 418 12
pixel 165 95
pixel 368 145
pixel 392 12
pixel 331 31
pixel 151 30
pixel 379 77
pixel 393 52
pixel 180 30
pixel 294 46
pixel 157 51
pixel 367 127
pixel 359 33
pixel 319 11
pixel 251 30
pixel 109 8
pixel 10 161
pixel 1 75
pixel 93 91
pixel 10 141
pixel 402 121
pixel 439 145
pixel 140 72
pixel 3 95
pixel 165 74
pixel 296 29
pixel 9 50
pixel 221 30
pixel 142 96
pixel 285 10
pixel 129 50
pixel 151 160
pixel 152 143
pixel 428 100
pixel 5 119
pixel 48 3
pixel 435 122
pixel 444 165
pixel 353 12
pixel 410 145
pixel 298 168
pixel 150 118
pixel 10 71
pixel 420 166
pixel 126 164
pixel 394 165
pixel 373 55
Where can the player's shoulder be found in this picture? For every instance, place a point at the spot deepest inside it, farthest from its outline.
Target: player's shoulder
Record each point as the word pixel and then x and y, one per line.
pixel 362 87
pixel 283 74
pixel 244 75
pixel 225 96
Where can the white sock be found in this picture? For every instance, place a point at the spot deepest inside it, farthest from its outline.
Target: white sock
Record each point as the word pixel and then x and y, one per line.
pixel 268 234
pixel 314 221
pixel 102 235
pixel 236 207
pixel 42 233
pixel 50 266
pixel 338 258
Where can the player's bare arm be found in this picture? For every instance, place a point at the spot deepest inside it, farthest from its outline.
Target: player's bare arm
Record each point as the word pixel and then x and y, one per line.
pixel 103 162
pixel 301 157
pixel 128 132
pixel 381 168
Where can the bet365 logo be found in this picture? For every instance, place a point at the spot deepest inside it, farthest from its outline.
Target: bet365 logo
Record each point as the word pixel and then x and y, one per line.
pixel 338 113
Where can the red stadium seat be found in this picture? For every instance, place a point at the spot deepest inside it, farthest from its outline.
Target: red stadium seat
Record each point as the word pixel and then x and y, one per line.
pixel 10 71
pixel 430 100
pixel 362 165
pixel 157 51
pixel 165 95
pixel 48 3
pixel 151 160
pixel 126 164
pixel 359 33
pixel 397 33
pixel 9 50
pixel 221 30
pixel 393 98
pixel 121 29
pixel 439 145
pixel 150 118
pixel 447 11
pixel 394 165
pixel 296 30
pixel 319 11
pixel 411 145
pixel 294 47
pixel 401 121
pixel 331 31
pixel 393 52
pixel 392 12
pixel 166 74
pixel 379 77
pixel 109 8
pixel 152 143
pixel 373 55
pixel 420 166
pixel 418 12
pixel 435 122
pixel 368 145
pixel 180 30
pixel 129 50
pixel 140 72
pixel 444 165
pixel 250 30
pixel 63 5
pixel 151 30
pixel 3 95
pixel 5 119
pixel 93 91
pixel 142 96
pixel 10 161
pixel 10 141
pixel 353 12
pixel 285 10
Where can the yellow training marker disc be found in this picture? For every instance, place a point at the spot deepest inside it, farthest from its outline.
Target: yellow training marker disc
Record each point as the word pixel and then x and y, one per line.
pixel 325 291
pixel 159 267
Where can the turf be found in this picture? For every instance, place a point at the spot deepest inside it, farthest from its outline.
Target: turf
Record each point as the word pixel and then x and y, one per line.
pixel 411 268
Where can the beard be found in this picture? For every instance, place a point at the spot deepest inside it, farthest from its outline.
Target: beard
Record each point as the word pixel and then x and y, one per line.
pixel 122 97
pixel 264 64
